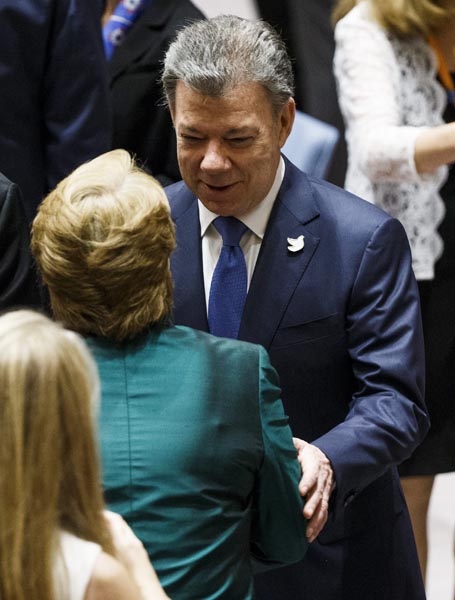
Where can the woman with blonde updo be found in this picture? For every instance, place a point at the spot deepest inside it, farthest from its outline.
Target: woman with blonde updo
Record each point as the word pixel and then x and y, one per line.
pixel 196 451
pixel 55 543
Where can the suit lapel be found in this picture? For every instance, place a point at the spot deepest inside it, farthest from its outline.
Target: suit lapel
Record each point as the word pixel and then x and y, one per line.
pixel 186 264
pixel 278 271
pixel 139 39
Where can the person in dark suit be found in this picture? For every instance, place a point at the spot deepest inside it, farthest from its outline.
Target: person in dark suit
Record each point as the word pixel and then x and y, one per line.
pixel 141 123
pixel 18 280
pixel 330 295
pixel 308 32
pixel 54 111
pixel 196 449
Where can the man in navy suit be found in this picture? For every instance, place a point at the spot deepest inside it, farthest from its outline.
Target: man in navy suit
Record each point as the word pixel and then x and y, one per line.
pixel 331 296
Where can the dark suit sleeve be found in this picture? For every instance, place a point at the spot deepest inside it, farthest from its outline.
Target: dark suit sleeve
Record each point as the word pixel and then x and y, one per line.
pixel 76 109
pixel 141 123
pixel 278 530
pixel 387 417
pixel 18 281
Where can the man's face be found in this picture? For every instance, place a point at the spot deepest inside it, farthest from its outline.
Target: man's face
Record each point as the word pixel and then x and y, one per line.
pixel 229 147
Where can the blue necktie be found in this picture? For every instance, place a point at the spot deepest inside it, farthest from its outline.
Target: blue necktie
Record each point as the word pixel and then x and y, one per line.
pixel 229 281
pixel 124 15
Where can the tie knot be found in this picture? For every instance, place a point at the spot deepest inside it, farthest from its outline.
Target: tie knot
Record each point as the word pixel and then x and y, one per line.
pixel 230 229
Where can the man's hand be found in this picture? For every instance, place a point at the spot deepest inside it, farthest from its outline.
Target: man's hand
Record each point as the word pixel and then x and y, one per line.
pixel 316 486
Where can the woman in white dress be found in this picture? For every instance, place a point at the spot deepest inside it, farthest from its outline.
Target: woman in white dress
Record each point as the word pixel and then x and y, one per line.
pixel 55 542
pixel 395 65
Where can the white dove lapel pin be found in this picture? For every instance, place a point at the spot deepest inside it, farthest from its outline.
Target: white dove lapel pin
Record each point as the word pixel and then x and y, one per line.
pixel 296 245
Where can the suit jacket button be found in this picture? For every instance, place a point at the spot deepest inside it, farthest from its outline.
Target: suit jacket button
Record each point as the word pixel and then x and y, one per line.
pixel 349 497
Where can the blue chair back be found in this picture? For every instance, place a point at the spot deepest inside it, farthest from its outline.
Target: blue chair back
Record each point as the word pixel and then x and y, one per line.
pixel 311 144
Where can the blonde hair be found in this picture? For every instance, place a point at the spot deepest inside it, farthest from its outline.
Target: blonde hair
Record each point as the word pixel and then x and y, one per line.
pixel 102 240
pixel 49 468
pixel 404 17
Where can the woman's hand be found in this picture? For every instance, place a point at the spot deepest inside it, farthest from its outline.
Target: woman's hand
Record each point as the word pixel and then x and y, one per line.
pixel 130 551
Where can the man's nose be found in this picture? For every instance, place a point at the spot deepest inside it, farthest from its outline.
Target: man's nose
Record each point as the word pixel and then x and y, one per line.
pixel 215 158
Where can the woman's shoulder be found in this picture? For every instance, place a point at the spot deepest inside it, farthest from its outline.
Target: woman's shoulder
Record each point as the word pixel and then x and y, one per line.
pixel 74 564
pixel 110 580
pixel 359 34
pixel 202 339
pixel 361 15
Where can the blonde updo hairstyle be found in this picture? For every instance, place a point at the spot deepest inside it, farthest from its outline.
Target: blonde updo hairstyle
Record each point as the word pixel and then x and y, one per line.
pixel 404 17
pixel 102 241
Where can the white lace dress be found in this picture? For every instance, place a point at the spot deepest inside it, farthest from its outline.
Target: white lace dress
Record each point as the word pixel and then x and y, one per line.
pixel 388 92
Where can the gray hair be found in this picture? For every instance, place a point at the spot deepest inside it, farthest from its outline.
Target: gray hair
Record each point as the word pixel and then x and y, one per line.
pixel 213 56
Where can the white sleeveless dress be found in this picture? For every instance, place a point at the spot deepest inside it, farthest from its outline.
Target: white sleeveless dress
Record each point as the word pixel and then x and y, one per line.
pixel 74 566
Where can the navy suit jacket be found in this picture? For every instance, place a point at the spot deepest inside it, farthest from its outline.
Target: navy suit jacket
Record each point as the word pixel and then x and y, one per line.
pixel 341 322
pixel 54 98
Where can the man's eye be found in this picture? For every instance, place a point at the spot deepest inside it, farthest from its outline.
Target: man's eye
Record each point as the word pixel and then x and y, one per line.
pixel 240 140
pixel 189 138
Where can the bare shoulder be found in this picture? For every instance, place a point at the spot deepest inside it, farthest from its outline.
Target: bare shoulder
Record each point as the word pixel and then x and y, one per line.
pixel 110 580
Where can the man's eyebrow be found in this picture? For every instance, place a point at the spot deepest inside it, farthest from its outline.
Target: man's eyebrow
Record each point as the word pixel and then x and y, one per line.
pixel 189 128
pixel 233 131
pixel 242 130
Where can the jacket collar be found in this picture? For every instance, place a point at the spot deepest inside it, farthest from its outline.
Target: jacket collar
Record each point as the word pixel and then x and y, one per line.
pixel 278 271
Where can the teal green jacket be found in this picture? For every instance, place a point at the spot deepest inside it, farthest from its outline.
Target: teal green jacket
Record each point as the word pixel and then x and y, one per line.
pixel 198 457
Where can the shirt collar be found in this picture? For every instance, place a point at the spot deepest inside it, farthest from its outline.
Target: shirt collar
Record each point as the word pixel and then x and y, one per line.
pixel 256 220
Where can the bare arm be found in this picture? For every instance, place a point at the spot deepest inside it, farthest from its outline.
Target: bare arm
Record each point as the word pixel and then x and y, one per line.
pixel 110 580
pixel 435 147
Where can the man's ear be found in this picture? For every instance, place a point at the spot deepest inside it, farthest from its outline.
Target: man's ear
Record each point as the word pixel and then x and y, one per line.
pixel 286 121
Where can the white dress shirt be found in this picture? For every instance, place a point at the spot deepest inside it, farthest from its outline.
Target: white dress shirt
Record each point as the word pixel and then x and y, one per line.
pixel 256 221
